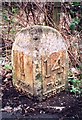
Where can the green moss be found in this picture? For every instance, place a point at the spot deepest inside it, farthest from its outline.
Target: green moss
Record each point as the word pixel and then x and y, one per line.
pixel 38 76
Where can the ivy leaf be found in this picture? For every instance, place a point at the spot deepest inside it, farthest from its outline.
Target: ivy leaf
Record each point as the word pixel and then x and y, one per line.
pixel 74 90
pixel 72 26
pixel 5 18
pixel 15 10
pixel 76 3
pixel 8 67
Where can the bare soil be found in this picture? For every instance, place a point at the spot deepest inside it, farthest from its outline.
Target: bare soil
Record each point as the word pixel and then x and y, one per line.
pixel 63 106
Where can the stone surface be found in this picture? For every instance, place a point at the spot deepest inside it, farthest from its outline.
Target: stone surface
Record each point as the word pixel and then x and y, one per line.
pixel 40 61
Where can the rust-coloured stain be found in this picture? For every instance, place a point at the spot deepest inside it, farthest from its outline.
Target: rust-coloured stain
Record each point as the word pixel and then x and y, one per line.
pixel 40 61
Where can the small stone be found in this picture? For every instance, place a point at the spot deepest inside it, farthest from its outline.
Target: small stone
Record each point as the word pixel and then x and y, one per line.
pixel 27 108
pixel 73 117
pixel 0 99
pixel 8 109
pixel 32 109
pixel 44 112
pixel 2 109
pixel 35 103
pixel 40 111
pixel 1 94
pixel 1 88
pixel 25 105
pixel 61 103
pixel 6 80
pixel 17 108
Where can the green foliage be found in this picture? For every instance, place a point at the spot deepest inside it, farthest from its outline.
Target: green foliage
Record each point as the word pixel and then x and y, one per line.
pixel 75 3
pixel 75 90
pixel 8 67
pixel 5 17
pixel 15 10
pixel 76 85
pixel 76 11
pixel 74 24
pixel 76 21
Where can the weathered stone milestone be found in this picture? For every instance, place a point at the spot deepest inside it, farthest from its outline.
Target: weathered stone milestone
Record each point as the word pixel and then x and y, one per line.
pixel 40 61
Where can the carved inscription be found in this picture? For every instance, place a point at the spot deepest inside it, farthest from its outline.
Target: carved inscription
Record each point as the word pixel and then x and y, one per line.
pixel 54 71
pixel 47 68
